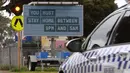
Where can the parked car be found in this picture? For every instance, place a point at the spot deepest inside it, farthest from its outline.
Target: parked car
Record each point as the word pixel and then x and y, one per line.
pixel 106 49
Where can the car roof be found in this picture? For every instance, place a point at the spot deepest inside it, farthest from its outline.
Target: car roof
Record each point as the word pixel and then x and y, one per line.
pixel 124 7
pixel 121 9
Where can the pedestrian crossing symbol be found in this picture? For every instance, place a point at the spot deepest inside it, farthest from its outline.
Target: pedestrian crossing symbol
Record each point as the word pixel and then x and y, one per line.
pixel 17 23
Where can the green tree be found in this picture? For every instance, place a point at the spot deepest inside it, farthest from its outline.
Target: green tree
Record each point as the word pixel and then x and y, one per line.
pixel 5 29
pixel 95 11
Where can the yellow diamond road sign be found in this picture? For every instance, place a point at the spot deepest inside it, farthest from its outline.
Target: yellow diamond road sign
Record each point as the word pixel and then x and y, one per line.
pixel 17 23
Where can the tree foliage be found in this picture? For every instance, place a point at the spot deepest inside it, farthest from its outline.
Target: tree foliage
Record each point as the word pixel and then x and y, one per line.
pixel 5 30
pixel 95 11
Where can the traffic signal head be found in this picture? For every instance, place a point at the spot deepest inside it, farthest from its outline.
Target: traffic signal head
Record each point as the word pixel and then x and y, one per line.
pixel 17 9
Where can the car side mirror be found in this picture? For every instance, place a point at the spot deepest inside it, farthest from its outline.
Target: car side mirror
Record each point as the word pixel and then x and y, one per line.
pixel 74 45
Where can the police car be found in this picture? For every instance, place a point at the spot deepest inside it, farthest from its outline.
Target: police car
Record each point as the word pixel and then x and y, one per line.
pixel 106 49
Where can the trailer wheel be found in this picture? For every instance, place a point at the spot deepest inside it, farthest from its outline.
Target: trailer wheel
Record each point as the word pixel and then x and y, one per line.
pixel 32 66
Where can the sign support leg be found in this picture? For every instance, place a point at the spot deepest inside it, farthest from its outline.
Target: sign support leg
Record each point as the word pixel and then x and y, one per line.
pixel 52 47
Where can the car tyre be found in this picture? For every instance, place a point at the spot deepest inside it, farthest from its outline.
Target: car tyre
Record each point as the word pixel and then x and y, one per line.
pixel 32 65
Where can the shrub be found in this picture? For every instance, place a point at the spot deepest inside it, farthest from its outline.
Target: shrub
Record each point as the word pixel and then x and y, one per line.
pixel 50 69
pixel 38 69
pixel 16 69
pixel 23 68
pixel 47 69
pixel 6 67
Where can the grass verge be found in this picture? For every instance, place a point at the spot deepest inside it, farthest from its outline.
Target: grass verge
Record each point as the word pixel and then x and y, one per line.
pixel 35 72
pixel 24 69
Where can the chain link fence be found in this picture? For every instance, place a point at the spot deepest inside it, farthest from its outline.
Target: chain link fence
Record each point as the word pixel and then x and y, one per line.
pixel 8 55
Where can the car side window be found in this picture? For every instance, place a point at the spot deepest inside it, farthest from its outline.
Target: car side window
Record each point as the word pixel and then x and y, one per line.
pixel 123 29
pixel 100 36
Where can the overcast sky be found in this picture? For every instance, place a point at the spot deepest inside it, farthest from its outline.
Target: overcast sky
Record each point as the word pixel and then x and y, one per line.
pixel 118 2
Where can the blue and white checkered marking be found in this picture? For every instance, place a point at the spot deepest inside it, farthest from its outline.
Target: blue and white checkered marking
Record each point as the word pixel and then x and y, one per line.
pixel 81 63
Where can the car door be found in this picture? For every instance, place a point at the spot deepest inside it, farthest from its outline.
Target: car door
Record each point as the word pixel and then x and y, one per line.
pixel 121 36
pixel 121 30
pixel 100 35
pixel 97 39
pixel 114 58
